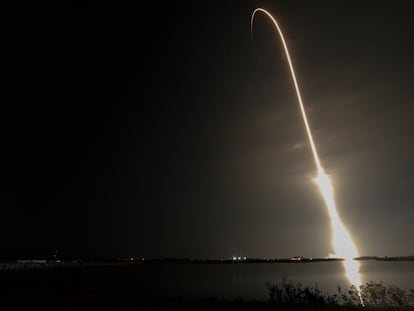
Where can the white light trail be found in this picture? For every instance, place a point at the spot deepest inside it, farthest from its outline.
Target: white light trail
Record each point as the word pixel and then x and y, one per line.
pixel 341 240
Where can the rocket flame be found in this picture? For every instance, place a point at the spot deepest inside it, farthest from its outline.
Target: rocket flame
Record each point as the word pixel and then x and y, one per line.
pixel 341 240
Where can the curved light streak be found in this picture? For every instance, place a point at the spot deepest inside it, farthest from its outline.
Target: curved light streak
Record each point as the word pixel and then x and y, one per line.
pixel 341 239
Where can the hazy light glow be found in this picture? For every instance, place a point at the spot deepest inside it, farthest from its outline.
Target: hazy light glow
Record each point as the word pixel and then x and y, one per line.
pixel 341 240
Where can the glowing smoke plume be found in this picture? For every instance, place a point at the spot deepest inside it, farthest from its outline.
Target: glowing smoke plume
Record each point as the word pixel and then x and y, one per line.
pixel 341 240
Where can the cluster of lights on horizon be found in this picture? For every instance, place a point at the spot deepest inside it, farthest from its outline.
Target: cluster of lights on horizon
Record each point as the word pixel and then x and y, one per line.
pixel 341 239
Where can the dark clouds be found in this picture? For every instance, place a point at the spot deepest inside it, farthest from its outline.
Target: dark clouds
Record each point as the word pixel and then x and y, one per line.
pixel 167 131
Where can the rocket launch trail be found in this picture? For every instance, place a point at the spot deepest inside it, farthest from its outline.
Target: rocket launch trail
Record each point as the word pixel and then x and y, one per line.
pixel 341 240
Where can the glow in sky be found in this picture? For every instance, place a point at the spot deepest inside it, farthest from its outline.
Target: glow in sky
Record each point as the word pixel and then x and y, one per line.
pixel 342 243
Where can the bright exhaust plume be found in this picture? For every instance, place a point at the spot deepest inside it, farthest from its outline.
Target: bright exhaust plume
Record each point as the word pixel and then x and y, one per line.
pixel 342 243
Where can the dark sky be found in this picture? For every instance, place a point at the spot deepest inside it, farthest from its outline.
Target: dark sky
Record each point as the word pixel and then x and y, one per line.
pixel 167 131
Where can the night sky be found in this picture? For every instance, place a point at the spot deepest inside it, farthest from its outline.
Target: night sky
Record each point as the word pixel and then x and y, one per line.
pixel 165 130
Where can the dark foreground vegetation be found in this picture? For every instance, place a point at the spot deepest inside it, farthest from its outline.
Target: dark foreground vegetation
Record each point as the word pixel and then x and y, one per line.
pixel 371 294
pixel 285 295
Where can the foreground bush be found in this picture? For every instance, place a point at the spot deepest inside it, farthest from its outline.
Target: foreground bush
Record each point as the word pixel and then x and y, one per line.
pixel 372 294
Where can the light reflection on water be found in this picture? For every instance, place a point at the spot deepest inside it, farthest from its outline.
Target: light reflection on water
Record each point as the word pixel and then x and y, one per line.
pixel 227 281
pixel 247 281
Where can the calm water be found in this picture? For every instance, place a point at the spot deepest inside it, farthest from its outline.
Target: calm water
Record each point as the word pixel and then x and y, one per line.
pixel 227 281
pixel 248 280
